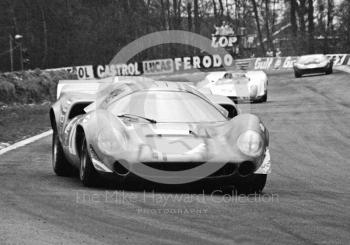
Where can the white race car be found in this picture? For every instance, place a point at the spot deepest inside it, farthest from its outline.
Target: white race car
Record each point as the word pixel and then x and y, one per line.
pixel 237 85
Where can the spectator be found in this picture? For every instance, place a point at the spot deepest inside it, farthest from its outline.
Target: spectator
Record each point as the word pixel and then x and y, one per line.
pixel 217 30
pixel 278 52
pixel 269 53
pixel 229 30
pixel 223 28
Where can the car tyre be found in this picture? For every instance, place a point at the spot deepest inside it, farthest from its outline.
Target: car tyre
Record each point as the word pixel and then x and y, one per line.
pixel 60 164
pixel 87 173
pixel 329 71
pixel 297 74
pixel 255 184
pixel 264 97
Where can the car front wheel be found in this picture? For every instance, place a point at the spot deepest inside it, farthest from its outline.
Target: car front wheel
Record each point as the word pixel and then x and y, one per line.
pixel 297 74
pixel 87 173
pixel 329 71
pixel 254 184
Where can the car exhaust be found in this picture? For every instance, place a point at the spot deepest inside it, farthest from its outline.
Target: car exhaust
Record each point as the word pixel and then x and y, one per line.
pixel 246 168
pixel 120 169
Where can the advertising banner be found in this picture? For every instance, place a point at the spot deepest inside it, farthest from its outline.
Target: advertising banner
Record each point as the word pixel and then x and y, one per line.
pixel 191 64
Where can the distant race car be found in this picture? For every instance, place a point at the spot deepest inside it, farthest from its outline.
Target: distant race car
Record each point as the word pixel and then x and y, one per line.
pixel 116 128
pixel 237 85
pixel 314 63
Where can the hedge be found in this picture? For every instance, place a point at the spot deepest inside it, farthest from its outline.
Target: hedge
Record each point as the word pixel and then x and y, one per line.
pixel 32 86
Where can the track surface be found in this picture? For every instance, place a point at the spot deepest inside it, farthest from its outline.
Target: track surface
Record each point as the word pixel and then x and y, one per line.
pixel 306 200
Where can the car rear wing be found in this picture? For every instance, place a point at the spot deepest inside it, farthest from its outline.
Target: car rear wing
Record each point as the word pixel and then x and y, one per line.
pixel 93 86
pixel 83 86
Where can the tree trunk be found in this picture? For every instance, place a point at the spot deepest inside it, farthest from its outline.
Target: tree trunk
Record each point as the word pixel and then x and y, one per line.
pixel 174 15
pixel 162 14
pixel 256 14
pixel 311 29
pixel 328 29
pixel 168 15
pixel 43 20
pixel 267 25
pixel 293 21
pixel 301 10
pixel 215 11
pixel 196 16
pixel 189 16
pixel 221 9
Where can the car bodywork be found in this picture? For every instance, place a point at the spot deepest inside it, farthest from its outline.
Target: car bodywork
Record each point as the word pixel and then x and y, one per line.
pixel 117 145
pixel 237 85
pixel 315 63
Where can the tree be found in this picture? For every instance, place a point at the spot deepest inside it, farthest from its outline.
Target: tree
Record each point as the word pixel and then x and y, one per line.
pixel 294 24
pixel 196 16
pixel 256 14
pixel 311 27
pixel 267 24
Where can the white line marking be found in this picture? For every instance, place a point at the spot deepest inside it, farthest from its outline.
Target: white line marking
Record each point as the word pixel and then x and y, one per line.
pixel 25 142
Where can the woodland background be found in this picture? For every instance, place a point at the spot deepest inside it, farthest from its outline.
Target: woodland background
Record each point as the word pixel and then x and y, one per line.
pixel 59 33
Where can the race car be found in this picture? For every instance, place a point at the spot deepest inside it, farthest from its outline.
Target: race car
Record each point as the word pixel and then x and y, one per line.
pixel 314 63
pixel 238 86
pixel 164 132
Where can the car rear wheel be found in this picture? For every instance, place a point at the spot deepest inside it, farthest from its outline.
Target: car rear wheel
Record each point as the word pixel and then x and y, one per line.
pixel 255 184
pixel 87 173
pixel 264 97
pixel 60 164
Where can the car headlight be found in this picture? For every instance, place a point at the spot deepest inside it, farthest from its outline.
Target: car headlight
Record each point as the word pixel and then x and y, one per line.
pixel 299 66
pixel 65 105
pixel 253 90
pixel 250 143
pixel 110 142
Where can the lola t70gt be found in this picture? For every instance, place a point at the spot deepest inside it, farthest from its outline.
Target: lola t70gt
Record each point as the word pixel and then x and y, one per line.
pixel 164 132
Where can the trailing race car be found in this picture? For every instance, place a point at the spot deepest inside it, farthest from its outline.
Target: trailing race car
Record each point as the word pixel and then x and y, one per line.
pixel 165 132
pixel 314 63
pixel 237 85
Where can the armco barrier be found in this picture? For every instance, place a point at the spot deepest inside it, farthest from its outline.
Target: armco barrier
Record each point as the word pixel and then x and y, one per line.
pixel 190 64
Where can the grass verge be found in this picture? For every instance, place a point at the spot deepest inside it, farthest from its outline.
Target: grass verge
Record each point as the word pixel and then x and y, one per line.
pixel 19 122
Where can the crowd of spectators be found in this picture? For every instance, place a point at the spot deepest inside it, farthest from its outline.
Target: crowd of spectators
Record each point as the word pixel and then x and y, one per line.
pixel 278 53
pixel 224 30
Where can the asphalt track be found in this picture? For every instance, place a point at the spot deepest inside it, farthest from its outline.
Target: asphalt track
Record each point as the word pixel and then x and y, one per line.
pixel 306 200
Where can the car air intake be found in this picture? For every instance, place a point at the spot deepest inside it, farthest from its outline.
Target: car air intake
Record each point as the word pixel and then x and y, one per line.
pixel 120 169
pixel 173 166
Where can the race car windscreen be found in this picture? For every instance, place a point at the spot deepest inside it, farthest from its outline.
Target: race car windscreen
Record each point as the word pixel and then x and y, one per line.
pixel 312 59
pixel 167 106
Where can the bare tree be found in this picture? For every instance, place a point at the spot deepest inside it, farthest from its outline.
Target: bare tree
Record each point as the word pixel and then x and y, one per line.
pixel 215 10
pixel 45 39
pixel 256 14
pixel 221 9
pixel 293 19
pixel 189 16
pixel 267 24
pixel 311 25
pixel 196 16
